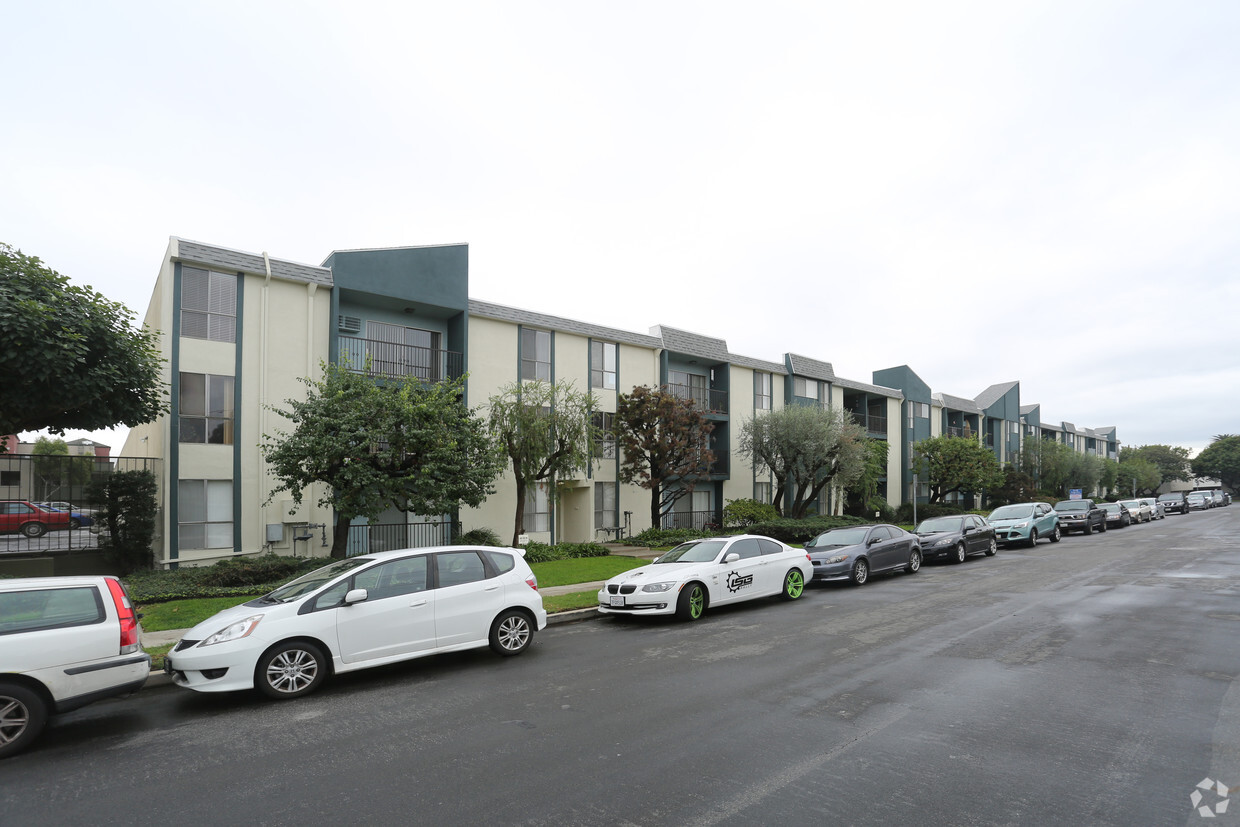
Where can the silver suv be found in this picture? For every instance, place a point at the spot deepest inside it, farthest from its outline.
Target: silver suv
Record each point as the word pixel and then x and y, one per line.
pixel 64 642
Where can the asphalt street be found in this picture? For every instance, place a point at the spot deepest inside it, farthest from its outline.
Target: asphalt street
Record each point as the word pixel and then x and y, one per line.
pixel 1093 681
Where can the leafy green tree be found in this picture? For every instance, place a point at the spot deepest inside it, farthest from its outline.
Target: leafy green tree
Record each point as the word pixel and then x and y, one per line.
pixel 1172 461
pixel 806 449
pixel 1108 476
pixel 1062 469
pixel 546 433
pixel 864 489
pixel 374 445
pixel 953 464
pixel 665 446
pixel 1138 476
pixel 128 517
pixel 69 358
pixel 1220 460
pixel 55 469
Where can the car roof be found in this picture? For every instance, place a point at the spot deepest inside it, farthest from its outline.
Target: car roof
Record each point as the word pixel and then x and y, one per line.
pixel 15 583
pixel 407 552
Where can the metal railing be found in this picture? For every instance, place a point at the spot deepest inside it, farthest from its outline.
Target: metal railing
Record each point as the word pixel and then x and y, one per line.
pixel 872 424
pixel 364 539
pixel 389 359
pixel 954 430
pixel 696 520
pixel 708 399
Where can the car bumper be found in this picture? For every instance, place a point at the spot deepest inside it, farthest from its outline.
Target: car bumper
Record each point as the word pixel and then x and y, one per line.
pixel 1072 524
pixel 934 552
pixel 832 571
pixel 1012 535
pixel 223 667
pixel 638 603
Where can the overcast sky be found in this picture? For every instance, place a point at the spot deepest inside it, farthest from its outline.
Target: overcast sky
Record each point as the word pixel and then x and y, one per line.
pixel 1045 192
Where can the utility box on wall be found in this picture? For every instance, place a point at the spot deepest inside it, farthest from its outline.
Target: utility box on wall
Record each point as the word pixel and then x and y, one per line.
pixel 275 532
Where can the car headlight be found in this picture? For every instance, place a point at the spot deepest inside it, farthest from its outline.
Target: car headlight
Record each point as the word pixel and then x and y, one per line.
pixel 234 631
pixel 946 541
pixel 658 587
pixel 839 558
pixel 1021 525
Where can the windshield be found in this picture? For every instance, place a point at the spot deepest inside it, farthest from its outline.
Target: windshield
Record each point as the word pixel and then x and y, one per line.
pixel 1011 512
pixel 1196 497
pixel 1131 505
pixel 695 551
pixel 1168 497
pixel 1071 505
pixel 939 524
pixel 840 537
pixel 309 582
pixel 1110 508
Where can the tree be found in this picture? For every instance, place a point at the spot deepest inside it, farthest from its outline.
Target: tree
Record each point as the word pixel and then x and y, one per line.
pixel 806 449
pixel 395 442
pixel 664 440
pixel 1172 462
pixel 1220 460
pixel 546 433
pixel 127 518
pixel 1061 469
pixel 1137 475
pixel 55 469
pixel 69 357
pixel 864 489
pixel 956 464
pixel 1108 476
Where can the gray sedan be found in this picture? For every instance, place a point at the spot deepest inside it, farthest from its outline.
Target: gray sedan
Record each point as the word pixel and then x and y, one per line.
pixel 855 552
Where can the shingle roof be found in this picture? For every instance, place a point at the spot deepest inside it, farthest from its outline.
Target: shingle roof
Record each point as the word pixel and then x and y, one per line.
pixel 879 390
pixel 691 344
pixel 958 403
pixel 993 394
pixel 809 368
pixel 1029 408
pixel 514 314
pixel 226 259
pixel 757 364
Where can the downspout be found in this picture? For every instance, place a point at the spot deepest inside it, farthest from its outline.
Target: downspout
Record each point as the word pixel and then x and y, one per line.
pixel 264 326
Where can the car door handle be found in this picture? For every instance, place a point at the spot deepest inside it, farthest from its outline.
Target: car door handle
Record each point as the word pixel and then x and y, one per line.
pixel 417 604
pixel 491 588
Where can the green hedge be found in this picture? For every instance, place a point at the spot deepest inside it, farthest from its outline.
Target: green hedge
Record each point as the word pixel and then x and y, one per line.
pixel 660 537
pixel 542 553
pixel 798 531
pixel 227 578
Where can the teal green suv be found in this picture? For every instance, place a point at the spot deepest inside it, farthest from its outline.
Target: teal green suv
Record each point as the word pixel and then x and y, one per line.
pixel 1025 524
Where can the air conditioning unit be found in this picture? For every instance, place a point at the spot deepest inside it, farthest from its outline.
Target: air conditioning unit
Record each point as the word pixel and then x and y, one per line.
pixel 349 324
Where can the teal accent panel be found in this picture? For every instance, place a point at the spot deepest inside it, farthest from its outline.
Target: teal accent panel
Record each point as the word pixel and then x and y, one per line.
pixel 333 334
pixel 174 425
pixel 237 391
pixel 436 276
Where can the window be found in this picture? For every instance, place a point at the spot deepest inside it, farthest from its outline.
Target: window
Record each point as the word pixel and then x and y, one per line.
pixel 458 567
pixel 32 611
pixel 395 350
pixel 762 391
pixel 404 576
pixel 605 515
pixel 536 354
pixel 537 508
pixel 205 513
pixel 605 446
pixel 684 385
pixel 746 548
pixel 206 403
pixel 603 365
pixel 208 305
pixel 805 388
pixel 762 492
pixel 10 477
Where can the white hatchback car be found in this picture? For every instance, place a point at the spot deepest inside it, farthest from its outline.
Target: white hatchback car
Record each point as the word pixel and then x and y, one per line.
pixel 64 642
pixel 708 572
pixel 360 612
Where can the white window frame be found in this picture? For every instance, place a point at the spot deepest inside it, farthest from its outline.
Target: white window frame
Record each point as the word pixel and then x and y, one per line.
pixel 215 509
pixel 603 357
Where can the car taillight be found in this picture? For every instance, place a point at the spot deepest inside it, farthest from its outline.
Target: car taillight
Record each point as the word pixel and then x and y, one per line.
pixel 129 617
pixel 532 582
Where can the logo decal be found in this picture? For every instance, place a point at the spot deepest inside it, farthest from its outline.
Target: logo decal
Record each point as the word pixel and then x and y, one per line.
pixel 736 582
pixel 1220 800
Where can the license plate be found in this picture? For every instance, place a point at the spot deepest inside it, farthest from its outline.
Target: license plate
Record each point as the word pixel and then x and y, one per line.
pixel 617 600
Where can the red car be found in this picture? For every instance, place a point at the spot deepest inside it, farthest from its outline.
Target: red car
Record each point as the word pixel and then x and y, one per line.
pixel 19 515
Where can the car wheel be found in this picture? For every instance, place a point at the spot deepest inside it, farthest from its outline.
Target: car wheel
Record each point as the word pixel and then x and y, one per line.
pixel 1033 537
pixel 914 562
pixel 960 554
pixel 511 633
pixel 22 716
pixel 1089 527
pixel 290 670
pixel 75 523
pixel 1103 527
pixel 692 602
pixel 794 585
pixel 860 573
pixel 1056 535
pixel 33 530
pixel 993 548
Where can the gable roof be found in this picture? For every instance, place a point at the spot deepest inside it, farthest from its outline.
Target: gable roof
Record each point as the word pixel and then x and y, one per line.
pixel 993 394
pixel 809 368
pixel 691 344
pixel 526 317
pixel 224 258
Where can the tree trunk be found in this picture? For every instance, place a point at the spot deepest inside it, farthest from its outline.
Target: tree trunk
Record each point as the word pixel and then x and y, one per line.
pixel 518 521
pixel 340 537
pixel 656 516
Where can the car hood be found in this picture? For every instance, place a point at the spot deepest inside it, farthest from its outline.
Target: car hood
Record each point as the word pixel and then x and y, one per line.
pixel 937 535
pixel 1010 521
pixel 819 552
pixel 653 573
pixel 219 620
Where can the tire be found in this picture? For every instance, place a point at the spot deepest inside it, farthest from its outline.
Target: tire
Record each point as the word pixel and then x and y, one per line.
pixel 290 670
pixel 511 633
pixel 1103 527
pixel 1033 537
pixel 1056 535
pixel 860 573
pixel 993 548
pixel 1089 527
pixel 794 585
pixel 960 554
pixel 33 530
pixel 75 523
pixel 23 714
pixel 914 562
pixel 692 602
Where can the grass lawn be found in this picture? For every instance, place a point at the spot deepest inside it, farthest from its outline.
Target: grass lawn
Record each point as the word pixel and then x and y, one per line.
pixel 157 656
pixel 567 602
pixel 182 614
pixel 583 570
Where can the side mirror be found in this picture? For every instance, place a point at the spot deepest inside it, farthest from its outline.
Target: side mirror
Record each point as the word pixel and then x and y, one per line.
pixel 355 596
pixel 871 542
pixel 732 557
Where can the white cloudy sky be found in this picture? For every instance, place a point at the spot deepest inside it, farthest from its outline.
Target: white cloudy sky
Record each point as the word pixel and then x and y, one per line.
pixel 984 191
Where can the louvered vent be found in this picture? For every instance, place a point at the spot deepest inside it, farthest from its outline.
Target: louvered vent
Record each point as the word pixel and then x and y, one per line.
pixel 349 324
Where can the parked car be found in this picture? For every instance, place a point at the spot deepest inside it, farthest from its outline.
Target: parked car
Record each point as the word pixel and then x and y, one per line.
pixel 30 519
pixel 1198 501
pixel 1024 523
pixel 1220 499
pixel 1080 515
pixel 1118 515
pixel 360 612
pixel 1156 508
pixel 696 575
pixel 956 537
pixel 1139 509
pixel 64 642
pixel 1177 502
pixel 61 505
pixel 856 552
pixel 77 519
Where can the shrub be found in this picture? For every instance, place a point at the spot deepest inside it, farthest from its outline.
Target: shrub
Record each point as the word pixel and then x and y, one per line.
pixel 128 517
pixel 925 511
pixel 788 530
pixel 477 537
pixel 886 514
pixel 658 537
pixel 227 578
pixel 543 553
pixel 748 512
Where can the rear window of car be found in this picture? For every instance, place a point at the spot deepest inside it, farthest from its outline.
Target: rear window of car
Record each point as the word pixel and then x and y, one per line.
pixel 1072 505
pixel 37 609
pixel 502 562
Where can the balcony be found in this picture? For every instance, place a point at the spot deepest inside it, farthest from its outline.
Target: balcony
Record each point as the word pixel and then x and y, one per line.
pixel 364 539
pixel 874 425
pixel 955 430
pixel 388 359
pixel 696 520
pixel 708 399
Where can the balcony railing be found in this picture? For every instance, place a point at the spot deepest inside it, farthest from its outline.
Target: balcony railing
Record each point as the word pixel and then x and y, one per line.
pixel 872 424
pixel 696 520
pixel 708 399
pixel 954 430
pixel 388 359
pixel 363 539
